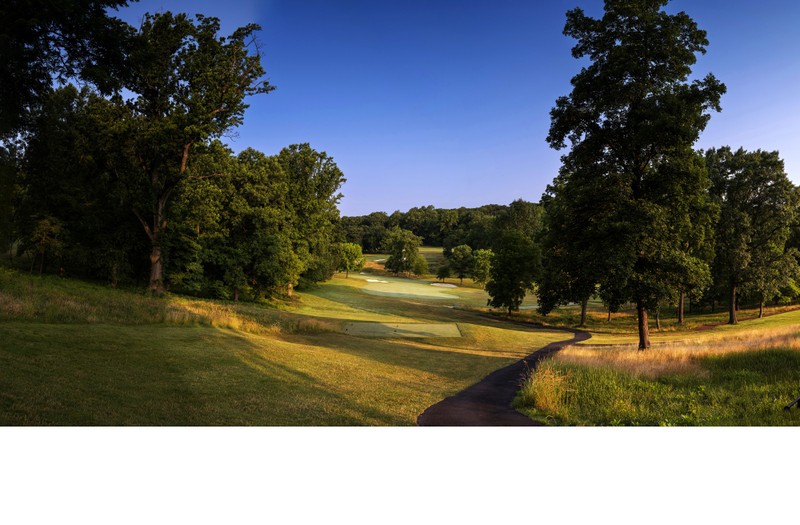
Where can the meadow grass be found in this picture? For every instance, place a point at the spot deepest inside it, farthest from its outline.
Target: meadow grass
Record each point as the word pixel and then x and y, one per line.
pixel 622 328
pixel 741 376
pixel 73 353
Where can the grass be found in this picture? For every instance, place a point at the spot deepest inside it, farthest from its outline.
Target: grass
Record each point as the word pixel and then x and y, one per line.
pixel 73 353
pixel 622 328
pixel 740 376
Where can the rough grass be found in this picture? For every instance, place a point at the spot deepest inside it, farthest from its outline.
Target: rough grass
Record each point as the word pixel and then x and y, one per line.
pixel 742 377
pixel 623 327
pixel 73 353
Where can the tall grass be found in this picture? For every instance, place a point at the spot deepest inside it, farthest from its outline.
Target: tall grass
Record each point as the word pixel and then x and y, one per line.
pixel 50 299
pixel 740 379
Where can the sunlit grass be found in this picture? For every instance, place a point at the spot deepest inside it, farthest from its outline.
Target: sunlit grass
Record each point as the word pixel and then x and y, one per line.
pixel 73 353
pixel 741 376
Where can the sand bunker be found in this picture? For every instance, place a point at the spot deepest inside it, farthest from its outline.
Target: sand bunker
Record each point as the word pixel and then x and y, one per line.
pixel 444 285
pixel 402 330
pixel 377 281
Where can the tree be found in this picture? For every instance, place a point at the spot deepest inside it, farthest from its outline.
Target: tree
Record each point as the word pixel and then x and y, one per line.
pixel 443 272
pixel 513 270
pixel 461 261
pixel 402 246
pixel 47 238
pixel 189 87
pixel 758 207
pixel 40 40
pixel 574 250
pixel 350 258
pixel 630 115
pixel 64 176
pixel 482 266
pixel 313 180
pixel 521 215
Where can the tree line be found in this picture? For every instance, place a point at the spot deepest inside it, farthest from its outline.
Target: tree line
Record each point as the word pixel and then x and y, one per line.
pixel 126 180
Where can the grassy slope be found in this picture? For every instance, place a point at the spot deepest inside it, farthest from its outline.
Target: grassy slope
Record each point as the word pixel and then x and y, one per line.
pixel 730 375
pixel 78 354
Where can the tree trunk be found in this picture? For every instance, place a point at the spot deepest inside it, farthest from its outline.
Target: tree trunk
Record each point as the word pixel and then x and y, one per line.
pixel 732 307
pixel 644 330
pixel 761 307
pixel 235 293
pixel 681 300
pixel 584 304
pixel 658 319
pixel 156 270
pixel 608 320
pixel 156 264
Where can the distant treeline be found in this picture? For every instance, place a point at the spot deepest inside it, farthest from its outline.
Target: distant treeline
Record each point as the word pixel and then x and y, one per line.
pixel 448 228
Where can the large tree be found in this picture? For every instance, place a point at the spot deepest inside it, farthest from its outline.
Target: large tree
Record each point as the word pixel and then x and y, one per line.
pixel 513 270
pixel 313 180
pixel 402 246
pixel 758 210
pixel 188 87
pixel 571 248
pixel 631 115
pixel 461 261
pixel 43 40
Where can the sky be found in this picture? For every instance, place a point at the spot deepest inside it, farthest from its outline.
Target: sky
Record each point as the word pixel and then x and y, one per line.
pixel 447 103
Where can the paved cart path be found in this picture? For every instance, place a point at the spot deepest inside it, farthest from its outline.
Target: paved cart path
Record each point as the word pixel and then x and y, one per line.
pixel 488 402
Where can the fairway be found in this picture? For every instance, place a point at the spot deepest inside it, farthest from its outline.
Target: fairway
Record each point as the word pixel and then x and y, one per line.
pixel 413 330
pixel 73 353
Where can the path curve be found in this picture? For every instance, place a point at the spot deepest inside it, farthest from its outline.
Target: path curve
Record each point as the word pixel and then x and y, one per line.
pixel 488 402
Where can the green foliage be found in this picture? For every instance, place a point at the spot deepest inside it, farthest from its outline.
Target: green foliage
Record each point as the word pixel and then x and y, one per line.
pixel 514 268
pixel 482 266
pixel 54 38
pixel 188 88
pixel 313 182
pixel 461 261
pixel 443 272
pixel 47 239
pixel 631 119
pixel 759 206
pixel 350 257
pixel 402 246
pixel 261 229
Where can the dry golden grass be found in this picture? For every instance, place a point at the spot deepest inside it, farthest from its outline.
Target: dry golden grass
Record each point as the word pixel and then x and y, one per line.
pixel 679 356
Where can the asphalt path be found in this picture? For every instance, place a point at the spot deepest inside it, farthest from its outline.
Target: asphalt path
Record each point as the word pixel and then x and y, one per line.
pixel 488 402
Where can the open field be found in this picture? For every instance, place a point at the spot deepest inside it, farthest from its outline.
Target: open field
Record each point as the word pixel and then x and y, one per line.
pixel 73 353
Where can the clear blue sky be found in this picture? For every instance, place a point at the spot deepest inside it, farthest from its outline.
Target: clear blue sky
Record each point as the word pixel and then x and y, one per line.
pixel 447 102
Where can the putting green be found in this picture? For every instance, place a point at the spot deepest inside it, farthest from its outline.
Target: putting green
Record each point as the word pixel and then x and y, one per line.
pixel 406 288
pixel 402 330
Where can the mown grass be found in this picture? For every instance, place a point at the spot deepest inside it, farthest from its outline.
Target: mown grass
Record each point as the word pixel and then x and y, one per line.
pixel 741 378
pixel 73 353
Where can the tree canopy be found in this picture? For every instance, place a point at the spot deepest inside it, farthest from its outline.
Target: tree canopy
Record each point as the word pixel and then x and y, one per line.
pixel 631 118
